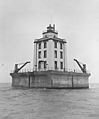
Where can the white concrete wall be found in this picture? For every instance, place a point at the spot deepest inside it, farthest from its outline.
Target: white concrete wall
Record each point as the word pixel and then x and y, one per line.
pixel 42 53
pixel 65 56
pixel 50 55
pixel 58 58
pixel 35 57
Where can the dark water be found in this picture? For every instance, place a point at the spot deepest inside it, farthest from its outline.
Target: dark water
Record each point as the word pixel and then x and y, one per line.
pixel 49 103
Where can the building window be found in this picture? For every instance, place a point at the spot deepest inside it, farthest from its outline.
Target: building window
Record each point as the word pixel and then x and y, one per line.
pixel 61 54
pixel 55 44
pixel 39 54
pixel 45 54
pixel 61 46
pixel 61 65
pixel 55 54
pixel 55 64
pixel 39 46
pixel 45 44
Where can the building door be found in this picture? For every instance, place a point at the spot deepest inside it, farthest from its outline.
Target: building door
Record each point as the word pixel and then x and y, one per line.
pixel 39 65
pixel 42 65
pixel 45 65
pixel 55 65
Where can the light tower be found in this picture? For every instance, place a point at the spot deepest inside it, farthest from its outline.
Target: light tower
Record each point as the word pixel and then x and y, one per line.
pixel 50 51
pixel 50 66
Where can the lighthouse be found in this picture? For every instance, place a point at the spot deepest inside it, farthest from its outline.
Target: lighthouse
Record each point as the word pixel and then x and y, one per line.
pixel 50 66
pixel 50 51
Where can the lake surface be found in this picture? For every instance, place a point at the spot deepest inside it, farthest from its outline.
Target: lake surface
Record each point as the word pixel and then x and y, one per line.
pixel 49 103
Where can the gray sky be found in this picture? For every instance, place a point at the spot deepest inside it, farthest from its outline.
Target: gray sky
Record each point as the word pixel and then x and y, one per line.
pixel 21 21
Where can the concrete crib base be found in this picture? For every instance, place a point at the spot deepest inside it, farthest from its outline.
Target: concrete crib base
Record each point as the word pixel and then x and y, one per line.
pixel 51 80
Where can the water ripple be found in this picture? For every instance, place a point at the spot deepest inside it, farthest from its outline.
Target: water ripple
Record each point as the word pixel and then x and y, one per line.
pixel 48 103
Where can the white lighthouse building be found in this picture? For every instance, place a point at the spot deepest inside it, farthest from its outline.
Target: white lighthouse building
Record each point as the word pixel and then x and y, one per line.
pixel 50 66
pixel 50 51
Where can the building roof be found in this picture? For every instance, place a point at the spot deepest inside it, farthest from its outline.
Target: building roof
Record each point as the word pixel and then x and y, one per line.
pixel 46 39
pixel 50 29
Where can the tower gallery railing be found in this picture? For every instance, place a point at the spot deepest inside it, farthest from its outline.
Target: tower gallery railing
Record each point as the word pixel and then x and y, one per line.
pixel 49 69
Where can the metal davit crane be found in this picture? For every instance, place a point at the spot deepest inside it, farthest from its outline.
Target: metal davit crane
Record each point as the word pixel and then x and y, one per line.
pixel 83 68
pixel 18 69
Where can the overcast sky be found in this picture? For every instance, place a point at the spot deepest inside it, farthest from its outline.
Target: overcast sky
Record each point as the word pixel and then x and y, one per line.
pixel 22 21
